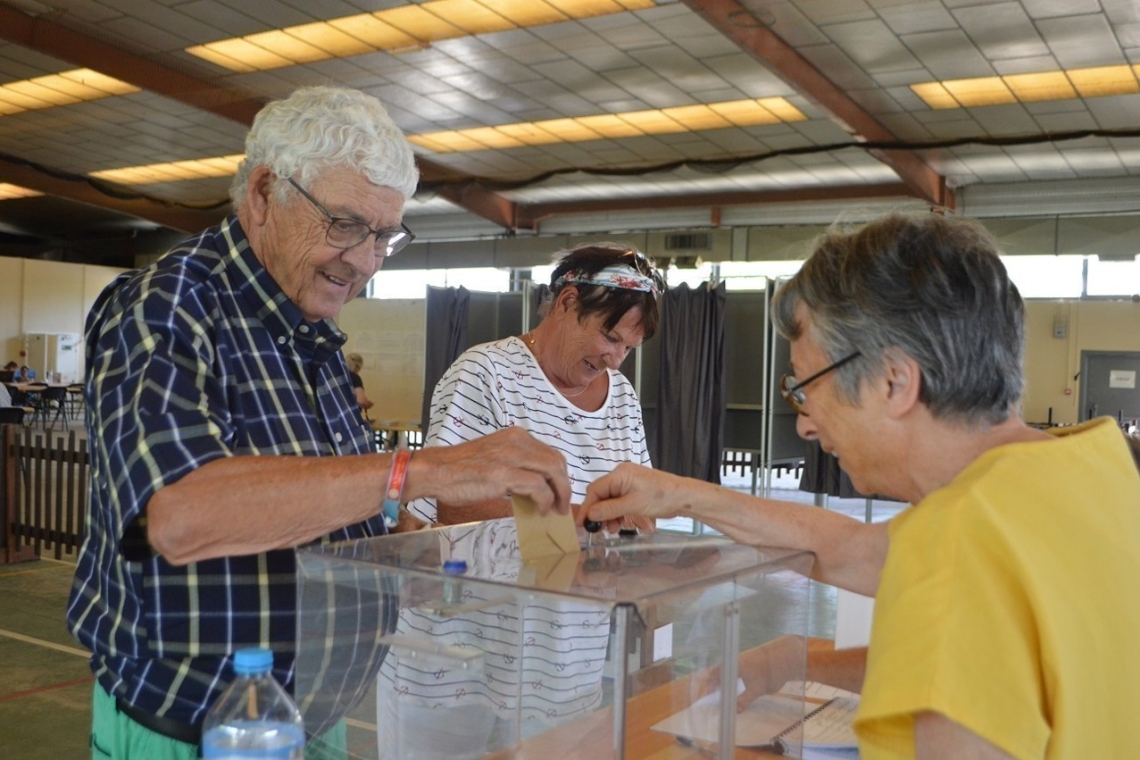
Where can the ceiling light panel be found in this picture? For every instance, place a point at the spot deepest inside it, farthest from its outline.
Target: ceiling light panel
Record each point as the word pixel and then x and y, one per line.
pixel 367 28
pixel 65 88
pixel 568 130
pixel 783 109
pixel 696 118
pixel 397 28
pixel 287 46
pixel 471 16
pixel 1104 80
pixel 745 113
pixel 666 121
pixel 15 191
pixel 530 12
pixel 1048 85
pixel 980 91
pixel 529 134
pixel 420 23
pixel 652 122
pixel 328 38
pixel 935 95
pixel 1040 86
pixel 609 125
pixel 174 171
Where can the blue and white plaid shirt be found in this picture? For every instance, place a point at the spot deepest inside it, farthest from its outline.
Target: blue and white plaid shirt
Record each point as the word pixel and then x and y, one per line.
pixel 197 357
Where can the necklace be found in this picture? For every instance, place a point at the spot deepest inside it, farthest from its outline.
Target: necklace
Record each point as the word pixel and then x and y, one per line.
pixel 529 338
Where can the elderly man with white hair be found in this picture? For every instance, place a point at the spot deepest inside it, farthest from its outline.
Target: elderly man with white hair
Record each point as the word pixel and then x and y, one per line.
pixel 224 431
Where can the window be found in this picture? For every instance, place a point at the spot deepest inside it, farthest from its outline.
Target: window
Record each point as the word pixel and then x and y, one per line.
pixel 1113 278
pixel 413 283
pixel 755 275
pixel 1046 276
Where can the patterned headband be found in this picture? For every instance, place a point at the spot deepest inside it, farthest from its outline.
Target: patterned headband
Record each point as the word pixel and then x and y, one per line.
pixel 617 276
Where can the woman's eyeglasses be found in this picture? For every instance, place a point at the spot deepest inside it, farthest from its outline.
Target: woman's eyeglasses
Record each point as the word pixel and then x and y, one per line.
pixel 793 392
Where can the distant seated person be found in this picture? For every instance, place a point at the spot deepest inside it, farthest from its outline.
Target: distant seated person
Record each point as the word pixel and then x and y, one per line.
pixel 24 374
pixel 8 372
pixel 355 364
pixel 560 381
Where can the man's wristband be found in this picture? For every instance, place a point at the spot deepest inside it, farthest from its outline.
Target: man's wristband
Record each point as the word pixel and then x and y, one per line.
pixel 394 491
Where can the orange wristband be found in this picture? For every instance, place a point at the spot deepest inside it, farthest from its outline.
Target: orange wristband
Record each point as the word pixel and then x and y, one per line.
pixel 394 492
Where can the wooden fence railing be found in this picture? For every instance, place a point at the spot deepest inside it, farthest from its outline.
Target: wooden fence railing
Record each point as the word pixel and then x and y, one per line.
pixel 44 491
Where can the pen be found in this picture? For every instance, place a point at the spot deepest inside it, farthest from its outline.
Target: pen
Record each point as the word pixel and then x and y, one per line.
pixel 704 751
pixel 775 748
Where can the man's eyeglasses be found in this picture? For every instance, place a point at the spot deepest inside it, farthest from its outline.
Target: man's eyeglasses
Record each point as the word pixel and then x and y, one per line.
pixel 346 233
pixel 793 392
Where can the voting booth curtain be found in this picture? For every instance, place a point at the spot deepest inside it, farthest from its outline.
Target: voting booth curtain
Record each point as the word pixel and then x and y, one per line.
pixel 691 386
pixel 445 338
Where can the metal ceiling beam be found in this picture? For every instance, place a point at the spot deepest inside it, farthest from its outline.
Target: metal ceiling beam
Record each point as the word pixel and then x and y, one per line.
pixel 737 23
pixel 474 198
pixel 187 220
pixel 51 38
pixel 530 216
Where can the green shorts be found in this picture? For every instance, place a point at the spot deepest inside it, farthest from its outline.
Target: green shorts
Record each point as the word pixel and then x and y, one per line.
pixel 114 736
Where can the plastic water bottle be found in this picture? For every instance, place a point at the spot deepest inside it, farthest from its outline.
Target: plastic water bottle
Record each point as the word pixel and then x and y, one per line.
pixel 254 718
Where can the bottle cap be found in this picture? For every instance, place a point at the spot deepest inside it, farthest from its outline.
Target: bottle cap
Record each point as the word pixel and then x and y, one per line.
pixel 455 566
pixel 252 660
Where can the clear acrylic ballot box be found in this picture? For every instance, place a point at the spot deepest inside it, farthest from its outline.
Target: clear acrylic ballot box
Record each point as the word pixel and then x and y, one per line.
pixel 593 654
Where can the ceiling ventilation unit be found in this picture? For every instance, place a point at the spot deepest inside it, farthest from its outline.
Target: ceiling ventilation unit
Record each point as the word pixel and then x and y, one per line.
pixel 688 241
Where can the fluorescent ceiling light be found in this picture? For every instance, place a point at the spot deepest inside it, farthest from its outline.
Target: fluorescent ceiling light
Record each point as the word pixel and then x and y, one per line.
pixel 15 191
pixel 78 85
pixel 1105 80
pixel 1029 88
pixel 736 113
pixel 174 171
pixel 740 113
pixel 1047 85
pixel 407 26
pixel 980 91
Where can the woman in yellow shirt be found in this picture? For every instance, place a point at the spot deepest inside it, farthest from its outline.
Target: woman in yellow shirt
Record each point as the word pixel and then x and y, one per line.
pixel 1003 625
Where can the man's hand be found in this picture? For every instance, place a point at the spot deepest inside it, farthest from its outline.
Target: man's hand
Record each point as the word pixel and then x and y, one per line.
pixel 506 462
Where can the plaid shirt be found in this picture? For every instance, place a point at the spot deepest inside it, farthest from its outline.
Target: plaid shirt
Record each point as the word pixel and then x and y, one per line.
pixel 197 357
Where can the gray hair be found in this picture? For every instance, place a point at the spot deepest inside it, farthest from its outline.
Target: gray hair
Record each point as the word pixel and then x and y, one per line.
pixel 931 286
pixel 318 128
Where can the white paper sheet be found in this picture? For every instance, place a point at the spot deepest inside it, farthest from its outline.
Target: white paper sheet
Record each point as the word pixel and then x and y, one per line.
pixel 769 716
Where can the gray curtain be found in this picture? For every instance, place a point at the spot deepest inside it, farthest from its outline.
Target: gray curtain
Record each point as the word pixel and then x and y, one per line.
pixel 691 386
pixel 445 338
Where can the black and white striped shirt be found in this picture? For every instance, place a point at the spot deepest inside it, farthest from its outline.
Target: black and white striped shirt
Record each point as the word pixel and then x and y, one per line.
pixel 498 385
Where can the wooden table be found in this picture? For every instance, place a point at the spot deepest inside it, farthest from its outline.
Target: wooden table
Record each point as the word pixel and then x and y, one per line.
pixel 592 737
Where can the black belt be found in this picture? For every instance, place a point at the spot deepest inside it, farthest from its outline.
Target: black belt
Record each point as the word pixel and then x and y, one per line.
pixel 171 729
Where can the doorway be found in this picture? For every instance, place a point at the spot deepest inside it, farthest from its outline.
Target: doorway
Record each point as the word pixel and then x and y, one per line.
pixel 1110 385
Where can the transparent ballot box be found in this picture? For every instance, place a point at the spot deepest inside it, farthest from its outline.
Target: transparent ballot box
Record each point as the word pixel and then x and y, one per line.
pixel 620 650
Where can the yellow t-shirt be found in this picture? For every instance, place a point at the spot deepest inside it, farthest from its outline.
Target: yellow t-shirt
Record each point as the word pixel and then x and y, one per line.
pixel 1010 603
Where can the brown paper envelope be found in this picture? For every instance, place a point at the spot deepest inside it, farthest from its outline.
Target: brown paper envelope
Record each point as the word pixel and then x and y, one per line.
pixel 542 535
pixel 554 572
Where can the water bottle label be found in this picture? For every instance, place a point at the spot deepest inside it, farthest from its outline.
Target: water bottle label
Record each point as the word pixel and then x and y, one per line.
pixel 246 740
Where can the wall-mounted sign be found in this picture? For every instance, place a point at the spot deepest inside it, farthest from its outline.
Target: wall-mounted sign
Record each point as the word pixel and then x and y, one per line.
pixel 1122 378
